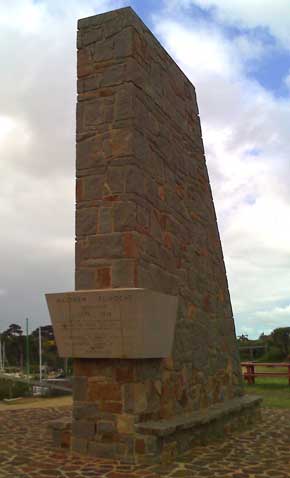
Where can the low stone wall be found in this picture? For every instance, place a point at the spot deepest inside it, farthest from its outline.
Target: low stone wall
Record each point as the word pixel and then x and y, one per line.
pixel 167 439
pixel 156 441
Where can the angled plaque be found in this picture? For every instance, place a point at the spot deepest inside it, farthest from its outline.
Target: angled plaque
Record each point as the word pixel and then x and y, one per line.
pixel 113 323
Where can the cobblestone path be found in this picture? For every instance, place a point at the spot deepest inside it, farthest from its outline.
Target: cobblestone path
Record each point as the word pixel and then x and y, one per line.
pixel 26 452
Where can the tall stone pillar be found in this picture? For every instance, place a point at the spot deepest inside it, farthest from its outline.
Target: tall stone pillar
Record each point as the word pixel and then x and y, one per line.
pixel 145 219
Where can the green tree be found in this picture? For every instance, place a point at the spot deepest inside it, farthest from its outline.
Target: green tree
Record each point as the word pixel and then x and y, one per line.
pixel 281 338
pixel 14 345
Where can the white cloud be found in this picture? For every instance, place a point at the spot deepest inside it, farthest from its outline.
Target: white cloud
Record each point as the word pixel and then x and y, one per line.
pixel 201 47
pixel 273 318
pixel 249 48
pixel 277 312
pixel 245 130
pixel 37 136
pixel 274 16
pixel 287 80
pixel 22 15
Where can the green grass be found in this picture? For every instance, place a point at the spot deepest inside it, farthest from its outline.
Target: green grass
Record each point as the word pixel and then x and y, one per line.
pixel 275 391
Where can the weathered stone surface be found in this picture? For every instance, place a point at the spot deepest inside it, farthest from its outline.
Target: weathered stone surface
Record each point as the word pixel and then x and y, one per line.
pixel 123 273
pixel 61 424
pixel 86 221
pixel 116 180
pixel 79 445
pixel 125 423
pixel 105 450
pixel 80 388
pixel 85 278
pixel 135 181
pixel 125 216
pixel 84 410
pixel 135 398
pixel 104 391
pixel 83 429
pixel 103 278
pixel 105 220
pixel 106 427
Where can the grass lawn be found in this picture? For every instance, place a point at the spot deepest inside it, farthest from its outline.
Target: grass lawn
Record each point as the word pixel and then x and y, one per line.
pixel 275 390
pixel 37 402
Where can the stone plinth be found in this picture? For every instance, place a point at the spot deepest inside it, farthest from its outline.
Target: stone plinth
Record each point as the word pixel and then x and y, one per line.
pixel 118 323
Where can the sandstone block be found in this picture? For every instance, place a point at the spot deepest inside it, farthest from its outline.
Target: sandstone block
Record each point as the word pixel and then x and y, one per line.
pixel 113 76
pixel 83 429
pixel 84 279
pixel 123 273
pixel 104 450
pixel 106 427
pixel 84 67
pixel 86 37
pixel 125 424
pixel 104 391
pixel 93 187
pixel 124 43
pixel 116 179
pixel 103 246
pixel 156 226
pixel 125 373
pixel 105 220
pixel 80 389
pixel 101 51
pixel 84 411
pixel 111 406
pixel 124 103
pixel 122 142
pixel 103 278
pixel 89 154
pixel 124 216
pixel 90 114
pixel 135 399
pixel 86 221
pixel 131 244
pixel 79 445
pixel 142 216
pixel 135 180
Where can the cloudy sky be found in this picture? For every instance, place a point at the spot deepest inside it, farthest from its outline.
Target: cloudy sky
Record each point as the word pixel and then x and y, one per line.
pixel 237 54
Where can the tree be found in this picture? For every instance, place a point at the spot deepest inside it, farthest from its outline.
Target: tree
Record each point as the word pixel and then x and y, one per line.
pixel 281 338
pixel 13 330
pixel 14 344
pixel 46 332
pixel 243 339
pixel 49 350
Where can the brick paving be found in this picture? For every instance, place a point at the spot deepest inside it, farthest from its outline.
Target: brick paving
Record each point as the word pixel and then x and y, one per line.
pixel 26 451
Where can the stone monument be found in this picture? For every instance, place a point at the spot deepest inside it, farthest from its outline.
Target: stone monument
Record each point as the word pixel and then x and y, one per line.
pixel 150 324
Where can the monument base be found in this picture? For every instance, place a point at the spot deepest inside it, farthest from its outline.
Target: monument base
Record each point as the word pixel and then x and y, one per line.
pixel 162 441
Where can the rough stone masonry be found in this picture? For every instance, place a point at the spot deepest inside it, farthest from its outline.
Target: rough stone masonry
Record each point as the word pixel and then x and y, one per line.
pixel 145 218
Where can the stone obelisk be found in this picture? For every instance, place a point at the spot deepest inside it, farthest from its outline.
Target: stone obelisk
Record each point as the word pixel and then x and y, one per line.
pixel 145 221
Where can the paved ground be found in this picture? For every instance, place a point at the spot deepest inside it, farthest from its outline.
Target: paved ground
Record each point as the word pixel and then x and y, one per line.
pixel 26 452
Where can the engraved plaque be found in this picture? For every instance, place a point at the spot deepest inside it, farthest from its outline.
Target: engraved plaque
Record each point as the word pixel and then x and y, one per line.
pixel 113 323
